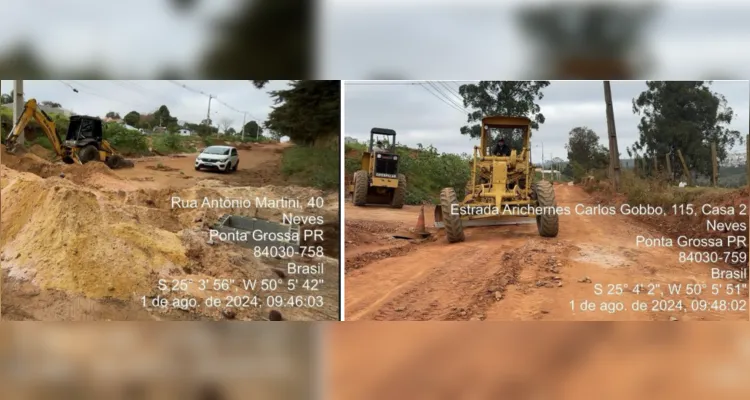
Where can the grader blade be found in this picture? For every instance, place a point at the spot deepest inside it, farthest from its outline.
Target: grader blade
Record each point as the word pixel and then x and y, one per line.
pixel 499 220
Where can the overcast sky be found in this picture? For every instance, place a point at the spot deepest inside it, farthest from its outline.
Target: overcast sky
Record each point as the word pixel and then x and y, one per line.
pixel 360 39
pixel 418 114
pixel 96 98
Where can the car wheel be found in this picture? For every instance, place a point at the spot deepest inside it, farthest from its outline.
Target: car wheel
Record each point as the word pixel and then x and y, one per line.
pixel 236 165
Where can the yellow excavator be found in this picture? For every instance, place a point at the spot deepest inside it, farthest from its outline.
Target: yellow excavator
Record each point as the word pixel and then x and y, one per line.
pixel 83 143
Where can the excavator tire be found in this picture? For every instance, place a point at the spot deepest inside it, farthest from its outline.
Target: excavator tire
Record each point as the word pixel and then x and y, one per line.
pixel 454 229
pixel 399 194
pixel 88 153
pixel 361 183
pixel 547 223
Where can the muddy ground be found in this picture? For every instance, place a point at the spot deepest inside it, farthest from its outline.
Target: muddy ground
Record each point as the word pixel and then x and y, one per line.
pixel 511 273
pixel 90 243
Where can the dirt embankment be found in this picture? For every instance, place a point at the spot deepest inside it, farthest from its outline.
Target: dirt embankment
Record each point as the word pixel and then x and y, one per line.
pixel 83 242
pixel 511 273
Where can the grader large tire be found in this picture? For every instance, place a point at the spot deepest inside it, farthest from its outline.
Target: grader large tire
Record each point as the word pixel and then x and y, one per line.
pixel 547 223
pixel 454 229
pixel 88 153
pixel 361 184
pixel 399 194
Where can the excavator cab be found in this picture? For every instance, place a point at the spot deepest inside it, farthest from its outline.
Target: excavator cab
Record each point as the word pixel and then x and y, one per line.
pixel 85 134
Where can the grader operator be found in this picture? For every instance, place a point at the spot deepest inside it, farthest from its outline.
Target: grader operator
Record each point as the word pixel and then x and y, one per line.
pixel 83 143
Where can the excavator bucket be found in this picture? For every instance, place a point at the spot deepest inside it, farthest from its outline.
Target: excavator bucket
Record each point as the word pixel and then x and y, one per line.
pixel 499 220
pixel 15 148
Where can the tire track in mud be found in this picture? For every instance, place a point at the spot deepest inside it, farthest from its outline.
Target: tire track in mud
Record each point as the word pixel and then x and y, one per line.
pixel 435 281
pixel 511 273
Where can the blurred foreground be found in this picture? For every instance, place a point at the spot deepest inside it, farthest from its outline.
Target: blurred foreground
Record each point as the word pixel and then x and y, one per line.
pixel 409 39
pixel 426 360
pixel 156 361
pixel 381 360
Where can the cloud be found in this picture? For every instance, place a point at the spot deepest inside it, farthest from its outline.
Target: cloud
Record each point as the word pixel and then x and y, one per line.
pixel 420 117
pixel 99 97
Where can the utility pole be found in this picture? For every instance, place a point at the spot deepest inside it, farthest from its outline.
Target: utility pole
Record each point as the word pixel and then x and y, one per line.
pixel 18 106
pixel 614 154
pixel 244 118
pixel 208 116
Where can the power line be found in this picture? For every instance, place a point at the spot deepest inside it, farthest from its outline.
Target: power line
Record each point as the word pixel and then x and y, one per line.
pixel 77 90
pixel 426 85
pixel 447 96
pixel 441 99
pixel 213 97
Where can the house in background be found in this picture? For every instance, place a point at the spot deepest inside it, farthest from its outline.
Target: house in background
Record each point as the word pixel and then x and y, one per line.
pixel 184 132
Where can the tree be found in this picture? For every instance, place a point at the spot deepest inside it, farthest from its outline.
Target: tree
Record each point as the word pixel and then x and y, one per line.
pixel 687 116
pixel 52 104
pixel 162 117
pixel 252 128
pixel 6 98
pixel 230 131
pixel 307 111
pixel 114 115
pixel 225 123
pixel 584 152
pixel 274 135
pixel 507 98
pixel 132 118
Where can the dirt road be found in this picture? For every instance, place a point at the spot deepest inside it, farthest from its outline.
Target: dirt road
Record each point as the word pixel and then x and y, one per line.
pixel 258 166
pixel 511 273
pixel 83 242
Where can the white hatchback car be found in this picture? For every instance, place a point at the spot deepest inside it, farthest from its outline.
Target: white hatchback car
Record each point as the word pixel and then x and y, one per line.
pixel 221 158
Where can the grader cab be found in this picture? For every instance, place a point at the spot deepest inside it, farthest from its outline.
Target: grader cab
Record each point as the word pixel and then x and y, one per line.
pixel 502 189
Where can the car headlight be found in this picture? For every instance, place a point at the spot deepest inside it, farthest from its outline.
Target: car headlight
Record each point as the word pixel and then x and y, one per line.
pixel 378 156
pixel 395 158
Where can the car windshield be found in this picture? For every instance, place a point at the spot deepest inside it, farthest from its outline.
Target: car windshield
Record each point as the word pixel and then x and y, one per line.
pixel 222 151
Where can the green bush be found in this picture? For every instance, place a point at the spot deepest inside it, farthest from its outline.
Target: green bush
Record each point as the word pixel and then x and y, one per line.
pixel 315 166
pixel 125 141
pixel 170 143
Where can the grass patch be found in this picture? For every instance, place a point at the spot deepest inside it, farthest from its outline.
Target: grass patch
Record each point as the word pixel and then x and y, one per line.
pixel 657 192
pixel 314 166
pixel 172 144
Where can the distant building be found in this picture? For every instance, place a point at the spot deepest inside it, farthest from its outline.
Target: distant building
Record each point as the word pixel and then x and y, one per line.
pixel 184 132
pixel 350 139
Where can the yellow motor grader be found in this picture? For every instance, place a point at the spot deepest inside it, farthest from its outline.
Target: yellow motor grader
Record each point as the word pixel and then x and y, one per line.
pixel 379 181
pixel 502 190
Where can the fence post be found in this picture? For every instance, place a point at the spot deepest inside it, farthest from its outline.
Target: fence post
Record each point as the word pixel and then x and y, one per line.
pixel 685 170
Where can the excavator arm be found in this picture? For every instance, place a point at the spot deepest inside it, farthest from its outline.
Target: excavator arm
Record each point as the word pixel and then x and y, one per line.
pixel 32 111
